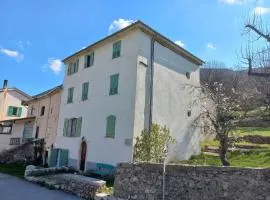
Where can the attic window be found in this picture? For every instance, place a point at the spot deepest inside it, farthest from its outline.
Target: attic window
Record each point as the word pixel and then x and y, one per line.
pixel 188 75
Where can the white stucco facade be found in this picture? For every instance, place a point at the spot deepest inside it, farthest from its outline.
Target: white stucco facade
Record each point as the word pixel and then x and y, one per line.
pixel 171 100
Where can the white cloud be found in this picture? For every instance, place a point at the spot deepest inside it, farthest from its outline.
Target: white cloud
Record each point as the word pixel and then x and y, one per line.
pixel 211 46
pixel 22 45
pixel 231 2
pixel 13 54
pixel 261 10
pixel 120 24
pixel 54 64
pixel 180 43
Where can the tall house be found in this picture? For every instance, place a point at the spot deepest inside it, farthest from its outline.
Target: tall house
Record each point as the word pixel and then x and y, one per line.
pixel 118 86
pixel 44 107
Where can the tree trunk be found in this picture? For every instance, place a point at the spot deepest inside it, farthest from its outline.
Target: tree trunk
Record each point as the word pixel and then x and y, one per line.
pixel 223 151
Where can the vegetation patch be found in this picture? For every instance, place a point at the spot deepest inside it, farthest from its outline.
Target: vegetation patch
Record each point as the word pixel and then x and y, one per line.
pixel 13 169
pixel 237 158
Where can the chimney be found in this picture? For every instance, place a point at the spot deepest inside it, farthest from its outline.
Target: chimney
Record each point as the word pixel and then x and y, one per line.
pixel 5 84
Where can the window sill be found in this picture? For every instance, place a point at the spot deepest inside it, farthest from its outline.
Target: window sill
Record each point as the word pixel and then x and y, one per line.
pixel 112 137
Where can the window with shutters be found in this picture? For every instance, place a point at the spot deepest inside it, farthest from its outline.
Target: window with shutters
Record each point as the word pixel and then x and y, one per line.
pixel 70 95
pixel 114 84
pixel 85 87
pixel 89 60
pixel 14 111
pixel 6 127
pixel 110 128
pixel 72 127
pixel 116 49
pixel 73 67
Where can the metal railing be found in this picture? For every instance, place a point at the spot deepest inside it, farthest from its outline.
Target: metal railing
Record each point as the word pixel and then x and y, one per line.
pixel 15 141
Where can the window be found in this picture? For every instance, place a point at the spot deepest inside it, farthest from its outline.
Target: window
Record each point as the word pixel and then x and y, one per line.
pixel 189 113
pixel 85 87
pixel 70 95
pixel 114 84
pixel 188 75
pixel 73 67
pixel 32 110
pixel 72 127
pixel 14 111
pixel 5 127
pixel 42 111
pixel 116 49
pixel 89 60
pixel 110 128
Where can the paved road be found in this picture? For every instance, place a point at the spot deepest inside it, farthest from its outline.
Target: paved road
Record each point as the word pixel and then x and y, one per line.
pixel 12 188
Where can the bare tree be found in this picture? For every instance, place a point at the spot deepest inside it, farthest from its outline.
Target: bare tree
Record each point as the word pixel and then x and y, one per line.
pixel 256 53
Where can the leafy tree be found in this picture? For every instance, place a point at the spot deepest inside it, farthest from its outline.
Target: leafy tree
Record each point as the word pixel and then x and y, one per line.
pixel 152 144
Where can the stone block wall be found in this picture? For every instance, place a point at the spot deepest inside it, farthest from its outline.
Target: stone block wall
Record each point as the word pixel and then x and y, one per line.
pixel 144 181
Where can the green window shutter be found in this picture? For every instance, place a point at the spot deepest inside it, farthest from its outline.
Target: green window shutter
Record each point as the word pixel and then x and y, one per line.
pixel 63 157
pixel 85 87
pixel 92 57
pixel 65 129
pixel 10 111
pixel 85 61
pixel 70 95
pixel 53 158
pixel 78 127
pixel 69 69
pixel 19 114
pixel 110 128
pixel 114 84
pixel 77 65
pixel 116 49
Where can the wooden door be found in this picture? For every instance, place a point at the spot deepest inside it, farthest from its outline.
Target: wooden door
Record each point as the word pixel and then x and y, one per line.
pixel 83 155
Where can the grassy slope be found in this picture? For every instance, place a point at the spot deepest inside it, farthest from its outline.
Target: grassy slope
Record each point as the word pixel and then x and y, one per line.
pixel 238 159
pixel 13 169
pixel 241 131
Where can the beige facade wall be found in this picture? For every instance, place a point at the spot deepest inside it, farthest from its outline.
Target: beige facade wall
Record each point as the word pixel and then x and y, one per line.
pixel 47 123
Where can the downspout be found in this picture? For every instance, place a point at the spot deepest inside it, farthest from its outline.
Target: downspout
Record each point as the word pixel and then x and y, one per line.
pixel 152 57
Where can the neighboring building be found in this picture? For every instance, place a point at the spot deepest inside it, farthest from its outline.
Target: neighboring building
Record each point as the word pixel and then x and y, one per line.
pixel 44 107
pixel 118 86
pixel 11 103
pixel 12 117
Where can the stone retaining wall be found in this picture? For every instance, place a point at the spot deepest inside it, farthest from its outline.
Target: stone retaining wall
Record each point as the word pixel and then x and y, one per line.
pixel 144 181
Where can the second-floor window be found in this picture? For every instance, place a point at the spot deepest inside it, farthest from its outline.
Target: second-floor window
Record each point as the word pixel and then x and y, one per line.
pixel 42 111
pixel 14 111
pixel 114 84
pixel 85 87
pixel 72 127
pixel 70 95
pixel 73 67
pixel 89 60
pixel 116 49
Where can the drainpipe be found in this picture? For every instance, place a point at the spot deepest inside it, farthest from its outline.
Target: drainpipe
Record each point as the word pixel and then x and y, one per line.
pixel 152 52
pixel 3 110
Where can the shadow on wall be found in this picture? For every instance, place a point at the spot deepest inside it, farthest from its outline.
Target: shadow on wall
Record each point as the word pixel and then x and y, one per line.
pixel 187 144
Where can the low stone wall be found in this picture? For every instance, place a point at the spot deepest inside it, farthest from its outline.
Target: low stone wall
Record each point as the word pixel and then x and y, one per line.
pixel 144 181
pixel 20 154
pixel 59 179
pixel 256 139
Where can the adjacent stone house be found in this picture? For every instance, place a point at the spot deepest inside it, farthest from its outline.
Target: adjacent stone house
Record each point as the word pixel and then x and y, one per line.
pixel 44 108
pixel 118 86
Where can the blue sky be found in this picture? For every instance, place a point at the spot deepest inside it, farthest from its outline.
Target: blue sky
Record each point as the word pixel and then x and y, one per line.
pixel 36 35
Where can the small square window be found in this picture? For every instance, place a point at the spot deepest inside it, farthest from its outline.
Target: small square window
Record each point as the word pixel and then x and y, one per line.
pixel 189 113
pixel 188 75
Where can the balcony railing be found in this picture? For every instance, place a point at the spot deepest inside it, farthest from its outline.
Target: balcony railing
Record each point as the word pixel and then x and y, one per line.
pixel 15 141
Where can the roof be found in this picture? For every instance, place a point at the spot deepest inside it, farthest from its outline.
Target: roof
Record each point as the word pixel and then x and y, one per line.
pixel 139 25
pixel 46 93
pixel 17 90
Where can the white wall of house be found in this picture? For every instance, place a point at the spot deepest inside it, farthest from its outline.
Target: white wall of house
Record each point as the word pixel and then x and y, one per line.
pixel 100 104
pixel 172 96
pixel 47 122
